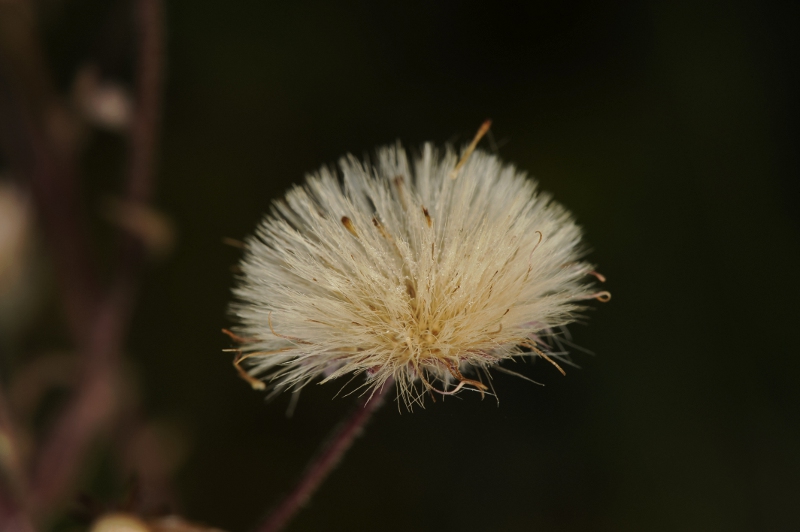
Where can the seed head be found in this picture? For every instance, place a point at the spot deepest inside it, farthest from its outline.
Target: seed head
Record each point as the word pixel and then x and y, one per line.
pixel 427 271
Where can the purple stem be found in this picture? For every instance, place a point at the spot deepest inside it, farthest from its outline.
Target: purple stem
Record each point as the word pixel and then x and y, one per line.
pixel 149 83
pixel 60 457
pixel 93 405
pixel 329 456
pixel 97 318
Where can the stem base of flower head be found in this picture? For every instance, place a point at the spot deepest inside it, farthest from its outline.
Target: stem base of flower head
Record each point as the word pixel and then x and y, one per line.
pixel 326 460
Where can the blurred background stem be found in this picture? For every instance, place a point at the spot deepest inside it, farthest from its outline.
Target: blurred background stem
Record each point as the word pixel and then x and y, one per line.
pixel 40 142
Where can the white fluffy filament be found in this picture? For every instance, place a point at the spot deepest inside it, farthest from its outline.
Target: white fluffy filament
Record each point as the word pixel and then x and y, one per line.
pixel 398 271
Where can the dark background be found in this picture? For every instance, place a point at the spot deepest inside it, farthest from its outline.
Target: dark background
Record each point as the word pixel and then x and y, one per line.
pixel 668 129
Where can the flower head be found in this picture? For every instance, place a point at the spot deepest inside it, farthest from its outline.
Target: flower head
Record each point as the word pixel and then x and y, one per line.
pixel 427 271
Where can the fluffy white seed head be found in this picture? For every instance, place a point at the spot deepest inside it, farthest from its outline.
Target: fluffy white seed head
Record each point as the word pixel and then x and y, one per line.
pixel 400 271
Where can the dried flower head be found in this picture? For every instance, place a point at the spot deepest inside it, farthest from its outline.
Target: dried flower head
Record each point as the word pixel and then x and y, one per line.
pixel 429 271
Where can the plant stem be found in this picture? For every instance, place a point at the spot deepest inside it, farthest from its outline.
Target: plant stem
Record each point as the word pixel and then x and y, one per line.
pixel 93 405
pixel 13 514
pixel 97 318
pixel 330 454
pixel 149 91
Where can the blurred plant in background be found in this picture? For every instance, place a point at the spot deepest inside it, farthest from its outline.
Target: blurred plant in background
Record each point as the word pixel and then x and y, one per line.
pixel 54 407
pixel 21 261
